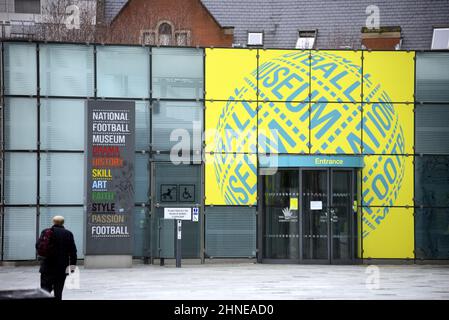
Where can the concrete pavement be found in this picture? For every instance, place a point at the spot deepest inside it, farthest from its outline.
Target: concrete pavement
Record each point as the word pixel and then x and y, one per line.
pixel 247 281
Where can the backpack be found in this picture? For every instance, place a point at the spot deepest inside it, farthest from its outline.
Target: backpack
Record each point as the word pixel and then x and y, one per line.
pixel 45 244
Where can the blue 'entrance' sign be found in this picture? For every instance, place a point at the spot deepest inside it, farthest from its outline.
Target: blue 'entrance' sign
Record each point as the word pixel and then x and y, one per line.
pixel 283 161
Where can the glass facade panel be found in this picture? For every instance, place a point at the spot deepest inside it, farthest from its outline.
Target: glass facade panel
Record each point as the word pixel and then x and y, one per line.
pixel 20 234
pixel 142 178
pixel 62 178
pixel 66 70
pixel 143 125
pixel 383 71
pixel 73 221
pixel 174 122
pixel 387 181
pixel 282 81
pixel 432 181
pixel 20 69
pixel 123 72
pixel 178 183
pixel 20 178
pixel 346 134
pixel 432 130
pixel 335 76
pixel 165 237
pixel 432 233
pixel 230 232
pixel 177 73
pixel 389 235
pixel 432 76
pixel 388 128
pixel 62 124
pixel 141 232
pixel 20 124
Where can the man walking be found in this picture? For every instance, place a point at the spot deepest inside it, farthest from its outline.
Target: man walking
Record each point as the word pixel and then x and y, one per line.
pixel 57 250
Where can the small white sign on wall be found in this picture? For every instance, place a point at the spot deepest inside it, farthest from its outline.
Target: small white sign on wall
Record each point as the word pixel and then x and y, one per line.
pixel 178 213
pixel 316 205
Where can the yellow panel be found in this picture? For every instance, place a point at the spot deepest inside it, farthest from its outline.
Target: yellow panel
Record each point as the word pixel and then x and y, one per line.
pixel 388 181
pixel 336 128
pixel 231 74
pixel 283 75
pixel 388 128
pixel 231 126
pixel 282 128
pixel 336 76
pixel 388 233
pixel 388 76
pixel 231 179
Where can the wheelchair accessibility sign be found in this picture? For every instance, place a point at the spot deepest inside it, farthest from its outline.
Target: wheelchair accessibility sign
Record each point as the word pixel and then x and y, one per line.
pixel 196 213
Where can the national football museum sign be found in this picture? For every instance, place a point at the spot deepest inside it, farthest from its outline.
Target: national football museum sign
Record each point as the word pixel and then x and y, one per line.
pixel 109 181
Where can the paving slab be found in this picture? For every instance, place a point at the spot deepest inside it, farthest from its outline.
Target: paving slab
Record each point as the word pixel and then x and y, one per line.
pixel 247 281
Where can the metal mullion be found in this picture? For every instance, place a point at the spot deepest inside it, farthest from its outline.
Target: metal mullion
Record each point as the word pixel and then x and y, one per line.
pixel 63 97
pixel 95 73
pixel 330 204
pixel 362 154
pixel 70 205
pixel 38 170
pixel 203 169
pixel 117 98
pixel 2 146
pixel 300 217
pixel 414 157
pixel 61 151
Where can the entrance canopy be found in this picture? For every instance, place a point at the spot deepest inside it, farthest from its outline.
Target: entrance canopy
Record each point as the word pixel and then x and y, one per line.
pixel 288 161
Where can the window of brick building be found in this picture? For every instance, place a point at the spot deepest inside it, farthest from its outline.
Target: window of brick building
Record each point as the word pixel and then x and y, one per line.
pixel 306 39
pixel 440 40
pixel 27 6
pixel 165 34
pixel 255 39
pixel 182 38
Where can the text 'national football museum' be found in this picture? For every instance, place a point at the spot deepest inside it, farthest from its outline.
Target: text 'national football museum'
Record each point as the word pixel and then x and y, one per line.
pixel 293 156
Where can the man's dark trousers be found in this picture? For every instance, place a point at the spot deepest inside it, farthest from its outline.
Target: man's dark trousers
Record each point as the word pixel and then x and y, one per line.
pixel 53 282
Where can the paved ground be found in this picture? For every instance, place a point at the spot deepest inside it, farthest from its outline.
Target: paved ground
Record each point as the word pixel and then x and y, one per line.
pixel 248 281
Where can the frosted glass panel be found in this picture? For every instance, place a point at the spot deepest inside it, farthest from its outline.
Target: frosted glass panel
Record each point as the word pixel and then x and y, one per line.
pixel 432 76
pixel 143 115
pixel 73 221
pixel 432 181
pixel 169 116
pixel 62 178
pixel 432 130
pixel 20 234
pixel 177 73
pixel 20 178
pixel 20 69
pixel 230 232
pixel 62 124
pixel 141 235
pixel 123 72
pixel 20 124
pixel 142 178
pixel 67 70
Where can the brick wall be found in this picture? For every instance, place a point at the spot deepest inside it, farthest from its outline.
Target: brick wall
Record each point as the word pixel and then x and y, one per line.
pixel 190 15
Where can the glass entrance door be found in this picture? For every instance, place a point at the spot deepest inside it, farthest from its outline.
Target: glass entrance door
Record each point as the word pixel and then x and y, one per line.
pixel 308 216
pixel 315 211
pixel 327 216
pixel 280 225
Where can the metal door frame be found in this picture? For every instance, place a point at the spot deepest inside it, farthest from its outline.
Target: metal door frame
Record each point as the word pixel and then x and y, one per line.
pixel 301 218
pixel 261 221
pixel 352 231
pixel 329 184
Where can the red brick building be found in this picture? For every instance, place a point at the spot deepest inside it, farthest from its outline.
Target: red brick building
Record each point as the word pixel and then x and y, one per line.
pixel 168 22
